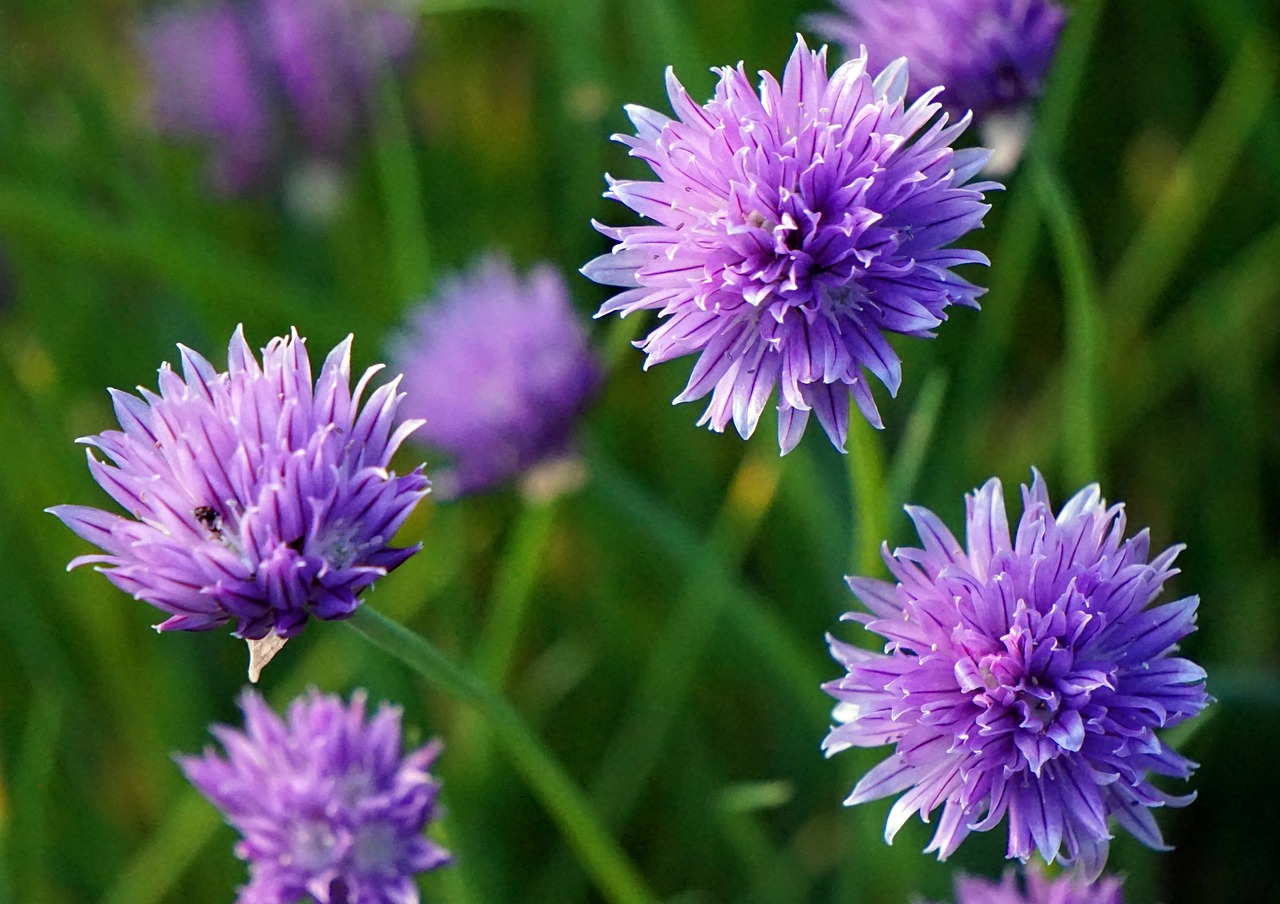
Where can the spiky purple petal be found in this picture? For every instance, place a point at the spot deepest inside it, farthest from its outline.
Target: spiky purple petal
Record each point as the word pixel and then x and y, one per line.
pixel 796 228
pixel 498 367
pixel 327 806
pixel 1025 676
pixel 990 55
pixel 250 496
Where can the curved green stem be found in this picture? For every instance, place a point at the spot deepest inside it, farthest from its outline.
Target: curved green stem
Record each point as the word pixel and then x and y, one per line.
pixel 867 485
pixel 564 801
pixel 1021 229
pixel 634 749
pixel 511 590
pixel 1082 333
pixel 1152 260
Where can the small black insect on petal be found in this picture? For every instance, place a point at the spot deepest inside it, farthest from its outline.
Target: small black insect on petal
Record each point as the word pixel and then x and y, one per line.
pixel 209 518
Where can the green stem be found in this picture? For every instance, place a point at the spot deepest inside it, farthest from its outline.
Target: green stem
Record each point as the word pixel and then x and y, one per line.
pixel 1154 256
pixel 508 602
pixel 1152 260
pixel 1067 77
pixel 867 486
pixel 1082 333
pixel 401 194
pixel 645 729
pixel 1219 319
pixel 563 800
pixel 868 505
pixel 512 588
pixel 217 278
pixel 751 616
pixel 909 457
pixel 634 749
pixel 1020 230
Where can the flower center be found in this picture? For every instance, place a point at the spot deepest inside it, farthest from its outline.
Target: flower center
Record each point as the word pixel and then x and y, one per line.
pixel 1029 694
pixel 312 847
pixel 375 848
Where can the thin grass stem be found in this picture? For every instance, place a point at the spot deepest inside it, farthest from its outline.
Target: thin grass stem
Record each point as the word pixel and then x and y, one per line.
pixel 512 588
pixel 636 746
pixel 869 501
pixel 401 194
pixel 599 852
pixel 1082 329
pixel 1152 259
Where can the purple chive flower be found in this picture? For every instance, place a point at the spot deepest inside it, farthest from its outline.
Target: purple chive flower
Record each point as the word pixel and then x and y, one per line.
pixel 252 496
pixel 243 78
pixel 795 230
pixel 991 55
pixel 1024 677
pixel 1067 889
pixel 329 809
pixel 499 369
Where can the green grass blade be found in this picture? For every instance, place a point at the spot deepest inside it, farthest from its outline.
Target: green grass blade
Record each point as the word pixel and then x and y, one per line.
pixel 512 587
pixel 215 278
pixel 909 457
pixel 870 501
pixel 401 195
pixel 636 746
pixel 1152 259
pixel 1083 335
pixel 563 800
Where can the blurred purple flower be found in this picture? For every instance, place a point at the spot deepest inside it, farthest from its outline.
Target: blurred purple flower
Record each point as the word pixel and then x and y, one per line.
pixel 990 55
pixel 795 231
pixel 251 495
pixel 1067 889
pixel 243 78
pixel 498 368
pixel 1024 677
pixel 329 809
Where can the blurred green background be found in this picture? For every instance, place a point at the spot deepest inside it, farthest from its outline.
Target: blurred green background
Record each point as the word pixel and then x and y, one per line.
pixel 671 644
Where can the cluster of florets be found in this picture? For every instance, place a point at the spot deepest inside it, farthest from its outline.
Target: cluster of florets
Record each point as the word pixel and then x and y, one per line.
pixel 329 808
pixel 1025 676
pixel 244 78
pixel 498 369
pixel 990 55
pixel 1038 889
pixel 795 230
pixel 252 496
